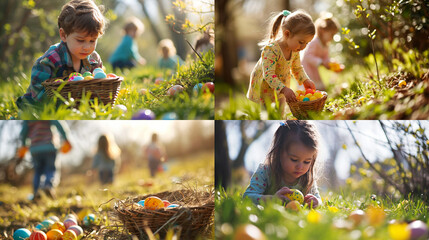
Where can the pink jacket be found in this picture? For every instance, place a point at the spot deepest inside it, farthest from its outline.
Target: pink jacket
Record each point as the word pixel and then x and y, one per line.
pixel 314 54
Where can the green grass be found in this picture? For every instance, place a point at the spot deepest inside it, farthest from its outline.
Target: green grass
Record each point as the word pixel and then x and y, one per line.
pixel 78 193
pixel 330 221
pixel 186 105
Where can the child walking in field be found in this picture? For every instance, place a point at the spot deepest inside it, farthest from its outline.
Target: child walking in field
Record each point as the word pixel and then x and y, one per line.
pixel 289 165
pixel 80 24
pixel 317 52
pixel 107 159
pixel 43 153
pixel 155 154
pixel 289 33
pixel 169 59
pixel 127 54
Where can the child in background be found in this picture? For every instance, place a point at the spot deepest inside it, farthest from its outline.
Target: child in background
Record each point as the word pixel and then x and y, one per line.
pixel 317 52
pixel 107 159
pixel 289 165
pixel 289 33
pixel 43 153
pixel 80 24
pixel 155 153
pixel 127 54
pixel 169 59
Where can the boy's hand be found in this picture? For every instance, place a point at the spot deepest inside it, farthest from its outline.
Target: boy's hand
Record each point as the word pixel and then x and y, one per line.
pixel 311 200
pixel 309 84
pixel 289 94
pixel 21 152
pixel 142 61
pixel 281 193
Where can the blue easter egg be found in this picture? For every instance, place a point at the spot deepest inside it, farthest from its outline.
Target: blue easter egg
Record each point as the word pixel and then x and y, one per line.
pixel 173 205
pixel 89 219
pixel 197 88
pixel 99 75
pixel 169 116
pixel 46 225
pixel 77 78
pixel 141 202
pixel 97 70
pixel 306 99
pixel 21 233
pixel 144 114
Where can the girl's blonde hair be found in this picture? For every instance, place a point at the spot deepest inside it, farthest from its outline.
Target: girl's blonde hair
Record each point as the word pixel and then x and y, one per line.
pixel 298 22
pixel 108 147
pixel 134 24
pixel 167 43
pixel 82 15
pixel 288 133
pixel 326 22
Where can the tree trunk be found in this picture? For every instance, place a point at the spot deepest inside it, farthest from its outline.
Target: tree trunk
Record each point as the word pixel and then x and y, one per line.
pixel 152 25
pixel 222 161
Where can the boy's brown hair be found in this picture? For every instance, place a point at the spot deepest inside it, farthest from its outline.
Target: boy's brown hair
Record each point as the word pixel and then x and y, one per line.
pixel 134 24
pixel 82 15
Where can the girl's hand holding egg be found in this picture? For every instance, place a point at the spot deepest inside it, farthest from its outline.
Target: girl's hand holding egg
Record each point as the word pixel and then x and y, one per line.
pixel 282 193
pixel 311 200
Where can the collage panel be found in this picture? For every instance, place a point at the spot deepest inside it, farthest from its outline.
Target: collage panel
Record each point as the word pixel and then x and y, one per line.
pixel 321 60
pixel 107 60
pixel 302 179
pixel 106 179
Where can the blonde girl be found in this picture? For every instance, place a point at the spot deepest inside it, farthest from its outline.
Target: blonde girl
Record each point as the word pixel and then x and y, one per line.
pixel 107 159
pixel 289 33
pixel 317 52
pixel 289 165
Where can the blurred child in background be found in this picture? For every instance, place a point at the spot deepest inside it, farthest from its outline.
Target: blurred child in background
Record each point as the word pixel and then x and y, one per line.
pixel 127 54
pixel 155 153
pixel 317 51
pixel 169 59
pixel 107 159
pixel 43 153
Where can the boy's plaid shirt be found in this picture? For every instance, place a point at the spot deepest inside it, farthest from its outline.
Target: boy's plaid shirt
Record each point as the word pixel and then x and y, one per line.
pixel 56 63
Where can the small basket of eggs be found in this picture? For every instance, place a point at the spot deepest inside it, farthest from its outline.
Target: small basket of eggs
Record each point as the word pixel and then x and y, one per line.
pixel 98 84
pixel 307 101
pixel 190 210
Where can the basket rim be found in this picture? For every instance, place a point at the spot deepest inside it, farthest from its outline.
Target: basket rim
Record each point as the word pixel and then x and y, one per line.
pixel 50 82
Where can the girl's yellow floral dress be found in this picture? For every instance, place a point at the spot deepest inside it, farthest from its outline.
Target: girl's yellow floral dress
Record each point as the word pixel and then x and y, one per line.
pixel 273 72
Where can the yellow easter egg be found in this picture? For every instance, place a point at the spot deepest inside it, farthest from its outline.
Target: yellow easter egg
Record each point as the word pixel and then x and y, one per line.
pixel 59 225
pixel 296 195
pixel 153 203
pixel 318 94
pixel 361 100
pixel 300 98
pixel 54 234
pixel 294 206
pixel 402 83
pixel 309 95
pixel 312 98
pixel 69 235
pixel 88 78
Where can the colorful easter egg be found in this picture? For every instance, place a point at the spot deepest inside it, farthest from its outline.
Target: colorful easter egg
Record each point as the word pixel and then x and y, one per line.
pixel 208 85
pixel 100 75
pixel 21 234
pixel 38 235
pixel 418 230
pixel 306 99
pixel 46 225
pixel 77 78
pixel 309 90
pixel 88 219
pixel 86 74
pixel 174 90
pixel 173 205
pixel 249 232
pixel 54 218
pixel 143 91
pixel 121 107
pixel 402 83
pixel 197 88
pixel 296 195
pixel 59 80
pixel 357 216
pixel 141 203
pixel 76 229
pixel 97 70
pixel 318 94
pixel 83 213
pixel 111 75
pixel 71 215
pixel 69 222
pixel 54 234
pixel 74 74
pixel 293 205
pixel 59 225
pixel 159 80
pixel 166 203
pixel 153 203
pixel 88 78
pixel 144 114
pixel 69 235
pixel 170 116
pixel 361 100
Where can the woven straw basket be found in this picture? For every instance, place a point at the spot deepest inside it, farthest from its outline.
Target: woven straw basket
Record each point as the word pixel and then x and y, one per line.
pixel 105 89
pixel 194 215
pixel 300 109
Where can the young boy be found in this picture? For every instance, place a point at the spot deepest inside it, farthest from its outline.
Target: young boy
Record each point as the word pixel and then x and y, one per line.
pixel 80 24
pixel 127 54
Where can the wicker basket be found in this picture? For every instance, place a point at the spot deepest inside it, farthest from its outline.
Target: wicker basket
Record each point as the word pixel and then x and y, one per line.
pixel 194 216
pixel 300 109
pixel 105 89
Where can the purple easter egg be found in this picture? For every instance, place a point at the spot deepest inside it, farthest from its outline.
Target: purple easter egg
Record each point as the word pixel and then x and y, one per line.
pixel 418 230
pixel 144 114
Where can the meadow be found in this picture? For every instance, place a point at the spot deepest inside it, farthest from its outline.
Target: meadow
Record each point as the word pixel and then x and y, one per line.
pixel 80 194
